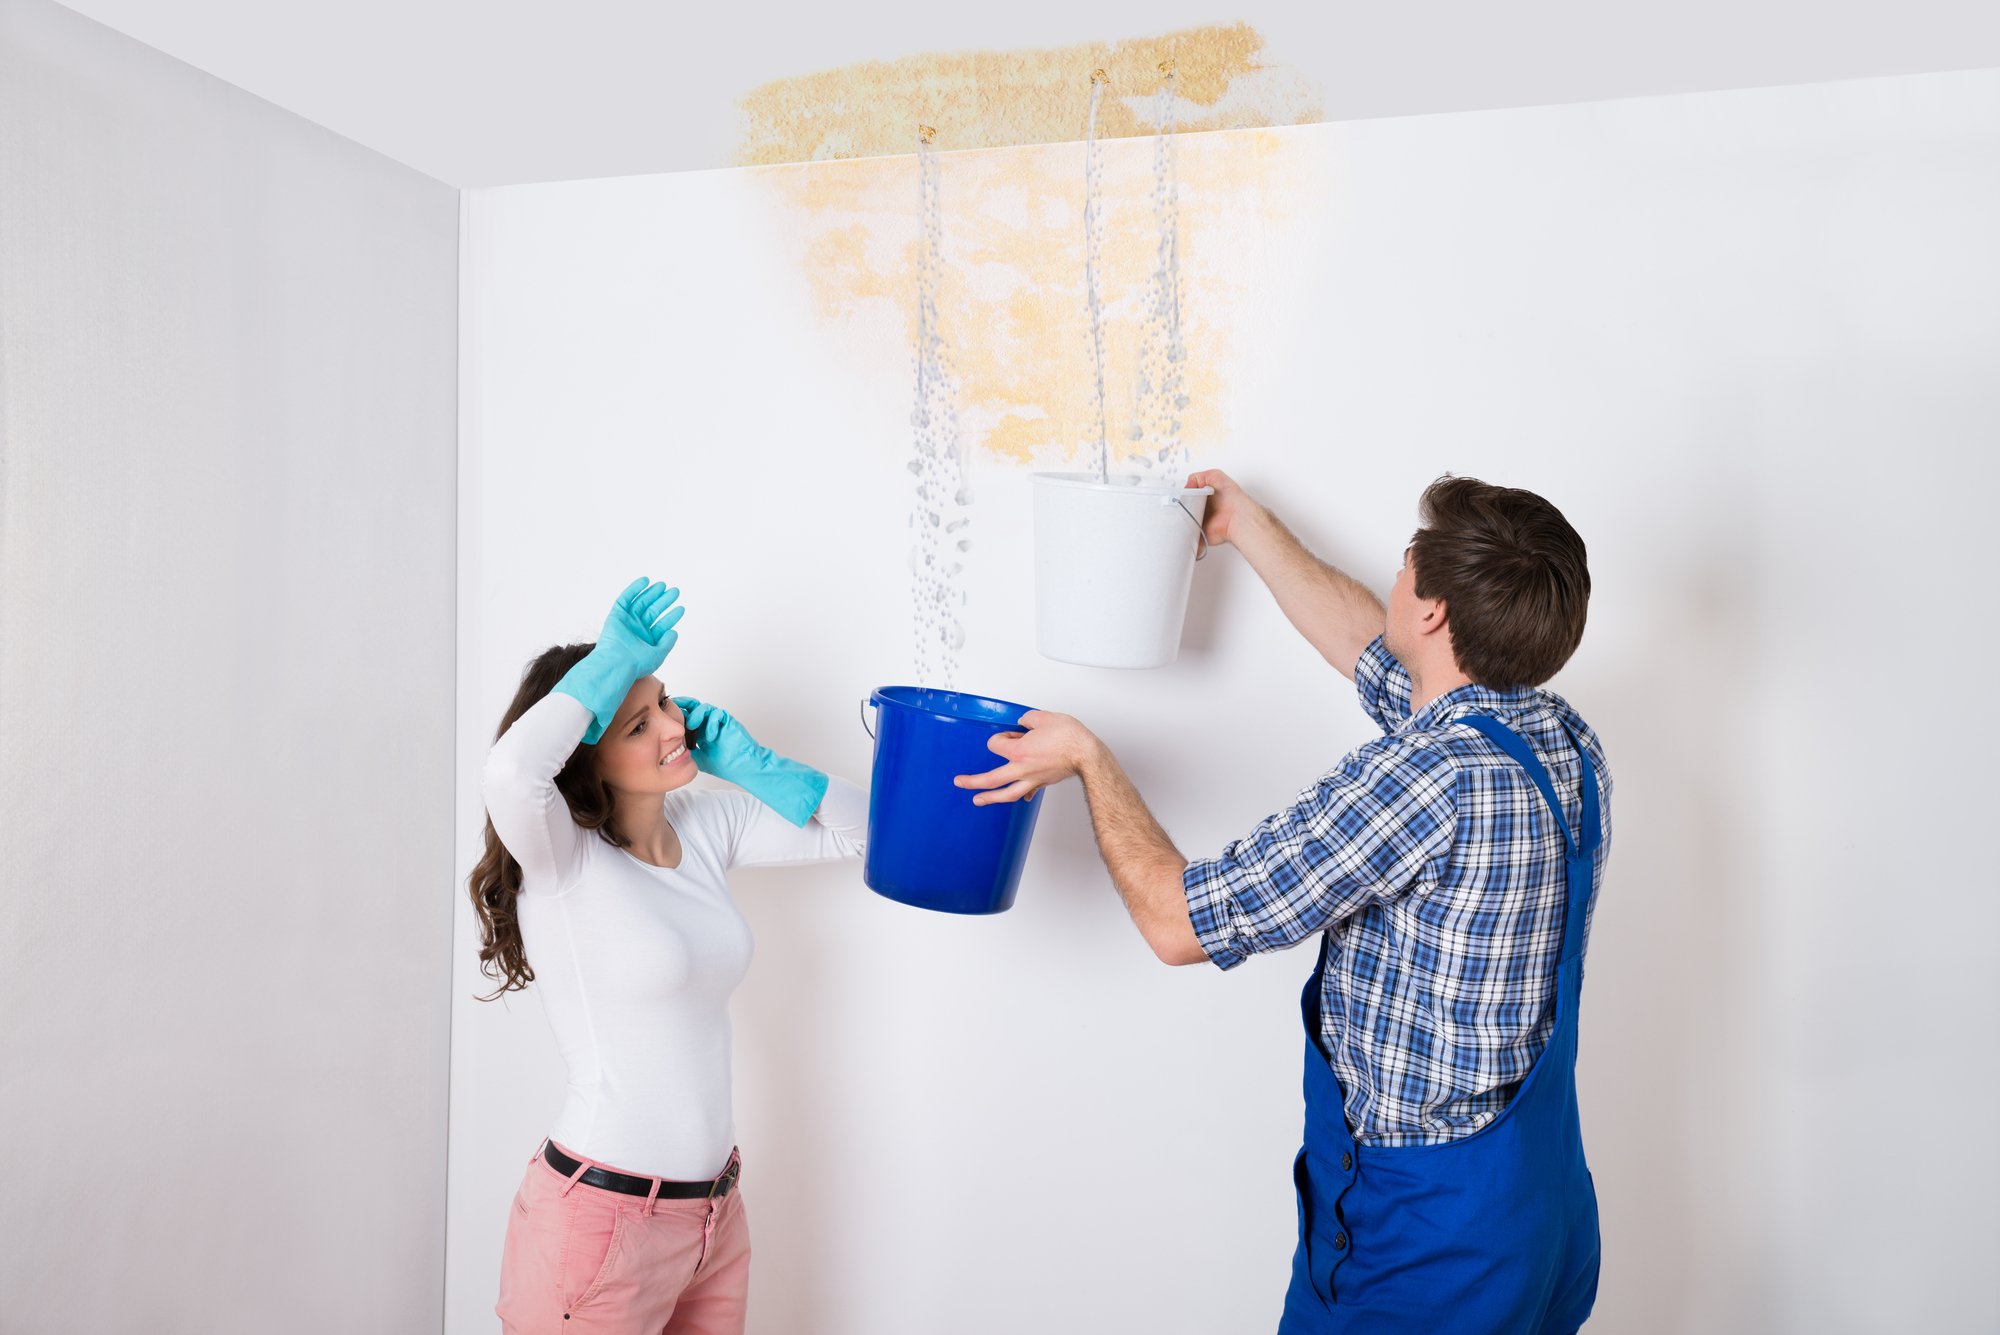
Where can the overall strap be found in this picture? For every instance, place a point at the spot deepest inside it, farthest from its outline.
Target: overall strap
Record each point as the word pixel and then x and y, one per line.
pixel 1579 853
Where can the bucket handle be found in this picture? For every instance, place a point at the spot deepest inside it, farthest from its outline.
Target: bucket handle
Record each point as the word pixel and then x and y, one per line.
pixel 864 719
pixel 1201 534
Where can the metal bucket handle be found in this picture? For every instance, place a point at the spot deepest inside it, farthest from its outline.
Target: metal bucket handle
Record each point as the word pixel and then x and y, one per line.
pixel 864 719
pixel 1201 534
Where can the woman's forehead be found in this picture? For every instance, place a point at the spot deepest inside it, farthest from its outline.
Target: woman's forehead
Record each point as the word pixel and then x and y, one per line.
pixel 646 693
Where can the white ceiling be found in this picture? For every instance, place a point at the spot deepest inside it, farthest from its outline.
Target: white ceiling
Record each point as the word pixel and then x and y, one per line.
pixel 491 92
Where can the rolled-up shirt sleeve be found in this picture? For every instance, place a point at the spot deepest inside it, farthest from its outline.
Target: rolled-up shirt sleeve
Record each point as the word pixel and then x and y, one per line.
pixel 1384 685
pixel 1376 828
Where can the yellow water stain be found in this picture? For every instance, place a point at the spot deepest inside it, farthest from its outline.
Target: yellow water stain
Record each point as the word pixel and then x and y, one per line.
pixel 1017 438
pixel 845 250
pixel 1011 300
pixel 992 99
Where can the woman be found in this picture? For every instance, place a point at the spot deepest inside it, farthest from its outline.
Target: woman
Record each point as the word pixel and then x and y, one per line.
pixel 611 879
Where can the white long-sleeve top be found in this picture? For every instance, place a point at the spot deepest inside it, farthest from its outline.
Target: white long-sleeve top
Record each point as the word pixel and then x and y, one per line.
pixel 635 963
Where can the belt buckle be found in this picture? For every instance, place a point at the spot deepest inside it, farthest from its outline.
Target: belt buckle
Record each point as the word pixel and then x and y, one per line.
pixel 728 1178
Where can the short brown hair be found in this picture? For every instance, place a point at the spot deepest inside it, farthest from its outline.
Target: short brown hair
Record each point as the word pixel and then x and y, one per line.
pixel 1512 575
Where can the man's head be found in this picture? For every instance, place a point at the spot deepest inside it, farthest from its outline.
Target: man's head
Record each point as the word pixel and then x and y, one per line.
pixel 1496 578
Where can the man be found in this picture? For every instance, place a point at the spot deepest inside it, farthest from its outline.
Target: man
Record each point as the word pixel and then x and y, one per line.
pixel 1448 868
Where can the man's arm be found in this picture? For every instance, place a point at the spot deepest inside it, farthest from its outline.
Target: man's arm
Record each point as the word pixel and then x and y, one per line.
pixel 1337 615
pixel 1368 831
pixel 1144 864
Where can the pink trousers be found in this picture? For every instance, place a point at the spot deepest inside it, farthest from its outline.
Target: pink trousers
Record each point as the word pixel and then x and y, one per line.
pixel 580 1260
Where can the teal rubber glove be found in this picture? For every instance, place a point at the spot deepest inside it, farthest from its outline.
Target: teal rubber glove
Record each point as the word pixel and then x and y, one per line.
pixel 637 636
pixel 723 747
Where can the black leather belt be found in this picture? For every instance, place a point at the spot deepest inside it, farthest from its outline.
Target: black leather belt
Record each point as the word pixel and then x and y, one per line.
pixel 643 1186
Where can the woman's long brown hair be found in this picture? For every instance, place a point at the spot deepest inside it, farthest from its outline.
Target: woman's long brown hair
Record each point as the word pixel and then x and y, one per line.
pixel 496 882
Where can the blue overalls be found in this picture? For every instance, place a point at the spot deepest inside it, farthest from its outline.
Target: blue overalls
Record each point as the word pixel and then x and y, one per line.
pixel 1494 1234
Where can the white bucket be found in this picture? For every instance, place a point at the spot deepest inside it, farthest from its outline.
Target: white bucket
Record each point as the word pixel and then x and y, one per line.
pixel 1113 563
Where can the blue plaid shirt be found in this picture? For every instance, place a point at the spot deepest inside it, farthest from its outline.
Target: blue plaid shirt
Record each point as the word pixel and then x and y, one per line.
pixel 1430 860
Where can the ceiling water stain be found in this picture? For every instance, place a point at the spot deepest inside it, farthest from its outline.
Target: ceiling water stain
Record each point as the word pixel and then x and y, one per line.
pixel 994 99
pixel 1011 299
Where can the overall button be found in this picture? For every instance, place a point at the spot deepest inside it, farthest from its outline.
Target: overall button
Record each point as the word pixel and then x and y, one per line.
pixel 1346 1163
pixel 1340 1242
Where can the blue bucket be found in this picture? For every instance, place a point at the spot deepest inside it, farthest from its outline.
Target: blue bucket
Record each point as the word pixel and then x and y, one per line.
pixel 928 845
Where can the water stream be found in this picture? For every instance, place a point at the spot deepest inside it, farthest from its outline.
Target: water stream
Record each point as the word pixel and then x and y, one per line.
pixel 940 509
pixel 1159 390
pixel 1093 264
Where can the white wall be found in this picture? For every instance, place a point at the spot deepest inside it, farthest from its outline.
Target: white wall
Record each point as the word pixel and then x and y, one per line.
pixel 1747 342
pixel 227 440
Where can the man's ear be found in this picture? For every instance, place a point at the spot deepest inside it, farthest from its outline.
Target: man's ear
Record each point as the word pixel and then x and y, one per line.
pixel 1434 618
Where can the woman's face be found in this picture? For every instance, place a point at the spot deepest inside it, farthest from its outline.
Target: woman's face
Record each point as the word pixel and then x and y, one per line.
pixel 645 748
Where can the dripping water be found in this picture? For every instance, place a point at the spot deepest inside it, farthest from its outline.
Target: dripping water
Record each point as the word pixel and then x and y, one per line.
pixel 935 594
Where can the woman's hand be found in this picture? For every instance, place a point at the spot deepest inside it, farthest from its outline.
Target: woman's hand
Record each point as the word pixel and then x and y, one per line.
pixel 1049 749
pixel 638 635
pixel 720 745
pixel 640 627
pixel 723 747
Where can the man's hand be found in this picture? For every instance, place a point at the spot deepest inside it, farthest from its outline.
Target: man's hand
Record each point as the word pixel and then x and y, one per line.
pixel 1051 748
pixel 1229 510
pixel 1336 614
pixel 1144 864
